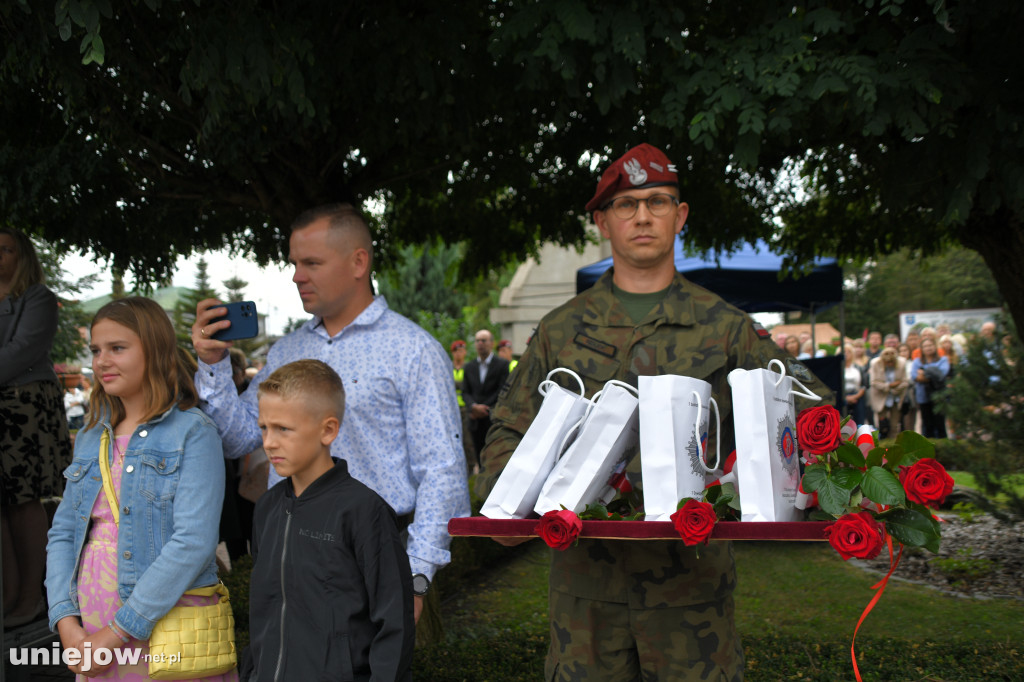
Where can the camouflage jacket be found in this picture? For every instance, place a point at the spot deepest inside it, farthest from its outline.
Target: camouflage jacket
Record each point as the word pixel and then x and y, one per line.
pixel 692 332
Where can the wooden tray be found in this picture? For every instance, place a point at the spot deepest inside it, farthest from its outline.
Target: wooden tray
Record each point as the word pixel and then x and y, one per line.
pixel 480 526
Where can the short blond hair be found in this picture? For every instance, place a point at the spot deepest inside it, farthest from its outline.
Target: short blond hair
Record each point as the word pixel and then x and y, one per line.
pixel 309 380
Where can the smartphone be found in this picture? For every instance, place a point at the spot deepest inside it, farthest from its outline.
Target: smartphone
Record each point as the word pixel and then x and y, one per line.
pixel 245 324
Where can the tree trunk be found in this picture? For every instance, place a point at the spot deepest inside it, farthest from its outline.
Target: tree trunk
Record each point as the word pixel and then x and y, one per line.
pixel 999 238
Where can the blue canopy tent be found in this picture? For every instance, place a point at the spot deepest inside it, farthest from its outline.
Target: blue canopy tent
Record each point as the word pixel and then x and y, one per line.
pixel 749 279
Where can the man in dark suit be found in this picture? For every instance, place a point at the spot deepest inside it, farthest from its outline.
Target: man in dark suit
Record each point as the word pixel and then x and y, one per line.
pixel 482 380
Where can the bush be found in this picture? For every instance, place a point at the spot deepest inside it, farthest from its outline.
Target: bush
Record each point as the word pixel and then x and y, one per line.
pixel 775 657
pixel 985 402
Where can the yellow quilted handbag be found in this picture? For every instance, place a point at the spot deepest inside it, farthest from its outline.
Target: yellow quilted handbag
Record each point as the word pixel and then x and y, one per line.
pixel 194 641
pixel 189 641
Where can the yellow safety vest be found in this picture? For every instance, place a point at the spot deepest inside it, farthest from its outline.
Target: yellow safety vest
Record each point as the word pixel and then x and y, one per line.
pixel 458 374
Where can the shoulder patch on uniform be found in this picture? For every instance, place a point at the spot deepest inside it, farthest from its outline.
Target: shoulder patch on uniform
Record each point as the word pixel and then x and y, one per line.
pixel 799 370
pixel 761 331
pixel 595 345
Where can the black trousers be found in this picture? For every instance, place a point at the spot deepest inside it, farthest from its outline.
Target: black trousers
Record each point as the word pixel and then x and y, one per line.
pixel 932 423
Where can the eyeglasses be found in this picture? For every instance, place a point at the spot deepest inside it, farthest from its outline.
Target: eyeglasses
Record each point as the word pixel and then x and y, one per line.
pixel 626 207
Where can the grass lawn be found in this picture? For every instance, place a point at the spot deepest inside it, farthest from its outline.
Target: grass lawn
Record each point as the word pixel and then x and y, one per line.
pixel 797 605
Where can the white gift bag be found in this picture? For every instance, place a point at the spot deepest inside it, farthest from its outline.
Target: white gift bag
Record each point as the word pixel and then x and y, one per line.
pixel 518 487
pixel 767 457
pixel 674 420
pixel 608 436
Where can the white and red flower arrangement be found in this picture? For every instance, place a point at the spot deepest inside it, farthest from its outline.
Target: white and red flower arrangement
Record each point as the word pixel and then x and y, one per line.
pixel 874 493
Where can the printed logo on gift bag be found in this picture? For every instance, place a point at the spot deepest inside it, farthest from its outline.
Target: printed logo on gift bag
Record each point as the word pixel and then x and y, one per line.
pixel 696 451
pixel 787 444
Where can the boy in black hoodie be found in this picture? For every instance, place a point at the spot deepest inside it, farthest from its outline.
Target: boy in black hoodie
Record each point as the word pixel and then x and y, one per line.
pixel 331 589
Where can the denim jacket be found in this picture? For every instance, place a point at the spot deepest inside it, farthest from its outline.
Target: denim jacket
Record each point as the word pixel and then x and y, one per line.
pixel 172 488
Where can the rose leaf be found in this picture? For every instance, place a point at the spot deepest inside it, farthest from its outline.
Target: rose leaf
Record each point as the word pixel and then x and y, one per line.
pixel 814 476
pixel 882 486
pixel 875 457
pixel 915 445
pixel 847 479
pixel 912 528
pixel 850 454
pixel 833 498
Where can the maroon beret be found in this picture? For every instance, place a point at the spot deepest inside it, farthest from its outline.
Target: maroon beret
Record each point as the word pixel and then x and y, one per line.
pixel 641 167
pixel 457 344
pixel 504 343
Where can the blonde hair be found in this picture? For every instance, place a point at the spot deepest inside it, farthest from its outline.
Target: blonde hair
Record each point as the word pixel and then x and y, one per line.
pixel 307 380
pixel 28 270
pixel 167 376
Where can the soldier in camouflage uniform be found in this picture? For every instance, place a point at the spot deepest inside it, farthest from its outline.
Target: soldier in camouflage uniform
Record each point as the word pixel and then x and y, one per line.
pixel 638 610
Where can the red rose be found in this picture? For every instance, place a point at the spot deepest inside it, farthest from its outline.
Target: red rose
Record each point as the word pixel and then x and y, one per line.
pixel 694 521
pixel 856 535
pixel 559 528
pixel 926 482
pixel 817 429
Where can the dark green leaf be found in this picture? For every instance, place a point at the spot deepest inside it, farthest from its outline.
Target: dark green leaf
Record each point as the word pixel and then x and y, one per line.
pixel 912 528
pixel 895 457
pixel 832 498
pixel 882 486
pixel 915 445
pixel 847 479
pixel 875 457
pixel 814 476
pixel 595 511
pixel 77 12
pixel 849 453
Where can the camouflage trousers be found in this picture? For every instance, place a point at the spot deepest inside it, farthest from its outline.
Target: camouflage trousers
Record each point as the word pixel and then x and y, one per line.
pixel 610 642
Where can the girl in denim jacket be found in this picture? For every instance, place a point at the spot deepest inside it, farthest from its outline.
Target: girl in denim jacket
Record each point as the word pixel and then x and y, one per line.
pixel 110 578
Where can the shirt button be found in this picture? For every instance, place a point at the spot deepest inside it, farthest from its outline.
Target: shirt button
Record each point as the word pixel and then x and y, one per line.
pixel 143 433
pixel 127 555
pixel 130 468
pixel 126 510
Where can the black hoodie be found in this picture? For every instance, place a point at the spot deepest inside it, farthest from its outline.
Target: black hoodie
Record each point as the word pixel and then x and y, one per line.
pixel 330 596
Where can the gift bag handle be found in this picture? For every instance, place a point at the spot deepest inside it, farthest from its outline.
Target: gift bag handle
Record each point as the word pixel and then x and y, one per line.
pixel 616 382
pixel 718 432
pixel 804 392
pixel 548 383
pixel 590 406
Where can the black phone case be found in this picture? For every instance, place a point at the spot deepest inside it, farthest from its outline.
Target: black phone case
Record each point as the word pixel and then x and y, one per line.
pixel 245 323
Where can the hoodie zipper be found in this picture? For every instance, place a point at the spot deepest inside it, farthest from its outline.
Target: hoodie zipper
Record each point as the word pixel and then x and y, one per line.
pixel 284 597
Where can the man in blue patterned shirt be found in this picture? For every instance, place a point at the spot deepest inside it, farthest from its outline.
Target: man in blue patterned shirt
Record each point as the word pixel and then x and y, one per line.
pixel 401 435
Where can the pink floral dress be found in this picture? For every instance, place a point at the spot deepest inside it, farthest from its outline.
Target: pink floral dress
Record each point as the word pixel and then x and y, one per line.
pixel 97 583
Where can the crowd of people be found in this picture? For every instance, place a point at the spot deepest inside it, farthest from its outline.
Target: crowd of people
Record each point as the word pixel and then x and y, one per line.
pixel 895 384
pixel 353 461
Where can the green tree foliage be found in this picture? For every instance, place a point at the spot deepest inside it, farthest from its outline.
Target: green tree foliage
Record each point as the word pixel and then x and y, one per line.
pixel 984 400
pixel 294 324
pixel 213 124
pixel 185 308
pixel 424 277
pixel 423 282
pixel 69 343
pixel 235 288
pixel 446 328
pixel 877 291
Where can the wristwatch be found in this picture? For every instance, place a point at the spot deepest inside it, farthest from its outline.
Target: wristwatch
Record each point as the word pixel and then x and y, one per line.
pixel 420 584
